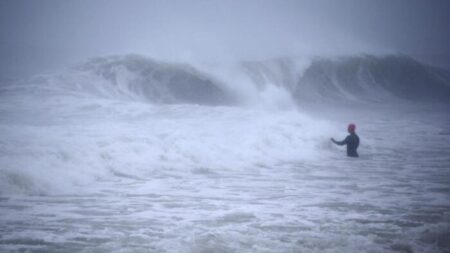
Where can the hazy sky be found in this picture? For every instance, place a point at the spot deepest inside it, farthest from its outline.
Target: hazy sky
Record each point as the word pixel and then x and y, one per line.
pixel 44 35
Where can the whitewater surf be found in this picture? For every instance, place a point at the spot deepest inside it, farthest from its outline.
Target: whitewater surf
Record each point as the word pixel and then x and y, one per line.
pixel 131 154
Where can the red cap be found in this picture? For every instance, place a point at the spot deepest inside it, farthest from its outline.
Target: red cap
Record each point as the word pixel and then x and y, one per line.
pixel 351 127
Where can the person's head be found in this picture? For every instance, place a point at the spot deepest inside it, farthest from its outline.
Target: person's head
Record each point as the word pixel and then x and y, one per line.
pixel 351 128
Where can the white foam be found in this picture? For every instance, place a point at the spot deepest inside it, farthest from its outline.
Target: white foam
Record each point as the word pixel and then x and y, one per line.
pixel 81 141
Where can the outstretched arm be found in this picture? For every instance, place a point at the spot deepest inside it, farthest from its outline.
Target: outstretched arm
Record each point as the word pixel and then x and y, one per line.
pixel 339 142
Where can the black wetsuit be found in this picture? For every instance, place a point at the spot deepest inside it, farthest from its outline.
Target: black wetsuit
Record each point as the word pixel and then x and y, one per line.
pixel 352 142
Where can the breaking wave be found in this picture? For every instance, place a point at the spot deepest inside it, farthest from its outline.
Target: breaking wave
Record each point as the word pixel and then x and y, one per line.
pixel 354 79
pixel 136 78
pixel 343 80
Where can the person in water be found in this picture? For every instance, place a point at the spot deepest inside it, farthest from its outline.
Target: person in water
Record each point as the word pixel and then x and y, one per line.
pixel 352 141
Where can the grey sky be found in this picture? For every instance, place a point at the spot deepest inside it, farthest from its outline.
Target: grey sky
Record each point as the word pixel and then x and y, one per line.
pixel 44 35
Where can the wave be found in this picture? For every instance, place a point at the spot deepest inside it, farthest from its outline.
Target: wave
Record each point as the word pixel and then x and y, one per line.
pixel 137 78
pixel 376 79
pixel 354 79
pixel 157 81
pixel 279 82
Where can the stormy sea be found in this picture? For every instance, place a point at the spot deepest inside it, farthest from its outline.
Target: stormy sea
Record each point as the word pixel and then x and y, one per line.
pixel 132 154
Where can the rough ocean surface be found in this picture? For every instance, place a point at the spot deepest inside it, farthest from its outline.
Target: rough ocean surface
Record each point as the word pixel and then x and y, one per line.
pixel 127 154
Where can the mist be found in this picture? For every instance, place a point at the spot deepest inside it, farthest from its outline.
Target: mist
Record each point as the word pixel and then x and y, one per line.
pixel 44 36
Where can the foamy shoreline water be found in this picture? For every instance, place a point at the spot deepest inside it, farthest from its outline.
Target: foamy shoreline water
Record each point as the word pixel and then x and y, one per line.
pixel 393 199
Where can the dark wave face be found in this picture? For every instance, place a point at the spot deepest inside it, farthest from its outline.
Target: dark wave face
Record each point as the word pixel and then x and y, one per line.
pixel 158 82
pixel 370 78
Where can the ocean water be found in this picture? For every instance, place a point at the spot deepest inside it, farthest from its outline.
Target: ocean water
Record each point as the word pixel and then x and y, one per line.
pixel 124 155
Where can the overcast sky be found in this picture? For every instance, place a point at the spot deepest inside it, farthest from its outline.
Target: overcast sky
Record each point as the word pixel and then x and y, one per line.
pixel 45 35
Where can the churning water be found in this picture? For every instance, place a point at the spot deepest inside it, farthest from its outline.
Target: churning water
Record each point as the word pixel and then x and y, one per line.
pixel 126 154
